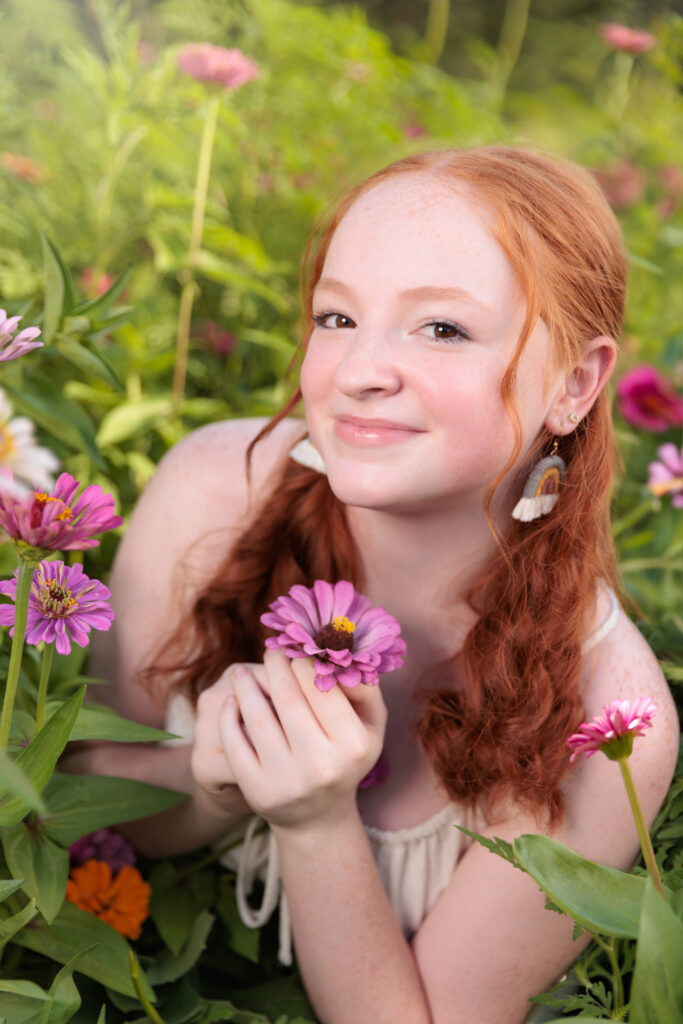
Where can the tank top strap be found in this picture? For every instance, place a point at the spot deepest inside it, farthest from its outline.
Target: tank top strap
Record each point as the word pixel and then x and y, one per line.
pixel 607 626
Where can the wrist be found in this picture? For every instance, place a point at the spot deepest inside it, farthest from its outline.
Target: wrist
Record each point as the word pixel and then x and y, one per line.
pixel 336 825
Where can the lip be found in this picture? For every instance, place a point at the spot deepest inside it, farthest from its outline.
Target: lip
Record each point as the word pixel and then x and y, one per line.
pixel 372 433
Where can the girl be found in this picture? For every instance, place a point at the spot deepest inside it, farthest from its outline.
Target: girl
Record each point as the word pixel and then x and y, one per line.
pixel 462 310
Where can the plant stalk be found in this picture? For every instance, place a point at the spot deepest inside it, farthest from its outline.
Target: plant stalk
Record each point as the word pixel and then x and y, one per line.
pixel 139 991
pixel 512 32
pixel 24 580
pixel 189 288
pixel 46 665
pixel 617 980
pixel 643 833
pixel 437 27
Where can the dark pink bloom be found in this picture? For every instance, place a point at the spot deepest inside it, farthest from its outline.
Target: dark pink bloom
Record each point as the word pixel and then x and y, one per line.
pixel 666 474
pixel 208 63
pixel 218 341
pixel 632 40
pixel 647 399
pixel 349 641
pixel 377 775
pixel 95 282
pixel 57 522
pixel 64 605
pixel 623 184
pixel 12 348
pixel 614 730
pixel 106 845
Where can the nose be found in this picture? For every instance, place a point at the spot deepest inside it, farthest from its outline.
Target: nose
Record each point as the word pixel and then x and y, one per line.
pixel 368 367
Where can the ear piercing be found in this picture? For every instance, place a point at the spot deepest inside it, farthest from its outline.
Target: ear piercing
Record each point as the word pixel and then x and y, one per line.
pixel 573 417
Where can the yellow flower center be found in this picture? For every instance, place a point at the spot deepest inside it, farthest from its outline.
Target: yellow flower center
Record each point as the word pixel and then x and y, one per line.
pixel 7 445
pixel 343 625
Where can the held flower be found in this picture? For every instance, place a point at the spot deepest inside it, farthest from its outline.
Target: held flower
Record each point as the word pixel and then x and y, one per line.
pixel 349 641
pixel 666 474
pixel 12 348
pixel 631 40
pixel 105 845
pixel 121 900
pixel 647 399
pixel 208 63
pixel 57 522
pixel 24 465
pixel 614 730
pixel 64 605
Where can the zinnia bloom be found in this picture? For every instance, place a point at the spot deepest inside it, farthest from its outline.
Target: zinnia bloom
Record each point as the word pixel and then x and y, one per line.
pixel 12 348
pixel 106 845
pixel 647 399
pixel 666 474
pixel 377 775
pixel 613 731
pixel 349 641
pixel 121 900
pixel 55 522
pixel 24 465
pixel 63 605
pixel 631 40
pixel 208 63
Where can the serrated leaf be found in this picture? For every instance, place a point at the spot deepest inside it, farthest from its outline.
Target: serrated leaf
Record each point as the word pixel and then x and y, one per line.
pixel 44 865
pixel 498 846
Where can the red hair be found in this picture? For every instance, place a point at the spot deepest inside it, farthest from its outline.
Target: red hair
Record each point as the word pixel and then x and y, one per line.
pixel 503 735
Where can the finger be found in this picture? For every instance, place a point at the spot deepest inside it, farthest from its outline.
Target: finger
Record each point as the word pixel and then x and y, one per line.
pixel 261 723
pixel 239 752
pixel 297 717
pixel 338 716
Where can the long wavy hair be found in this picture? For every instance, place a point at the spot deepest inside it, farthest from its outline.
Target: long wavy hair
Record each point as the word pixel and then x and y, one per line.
pixel 502 734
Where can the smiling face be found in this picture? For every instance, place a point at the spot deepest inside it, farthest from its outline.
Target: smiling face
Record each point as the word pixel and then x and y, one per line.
pixel 416 318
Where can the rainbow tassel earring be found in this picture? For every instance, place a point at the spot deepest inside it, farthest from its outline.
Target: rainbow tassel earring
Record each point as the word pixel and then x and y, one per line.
pixel 542 488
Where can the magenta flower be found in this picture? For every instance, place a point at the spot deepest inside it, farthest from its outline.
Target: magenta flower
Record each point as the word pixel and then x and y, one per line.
pixel 208 63
pixel 631 40
pixel 106 845
pixel 647 399
pixel 377 775
pixel 666 474
pixel 349 641
pixel 613 731
pixel 64 605
pixel 12 348
pixel 55 522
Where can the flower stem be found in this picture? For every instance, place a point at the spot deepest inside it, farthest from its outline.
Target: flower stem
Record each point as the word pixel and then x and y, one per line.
pixel 46 665
pixel 437 27
pixel 189 290
pixel 643 833
pixel 139 990
pixel 512 32
pixel 617 981
pixel 24 580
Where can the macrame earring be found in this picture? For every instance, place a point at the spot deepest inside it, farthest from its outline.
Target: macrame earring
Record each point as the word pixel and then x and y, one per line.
pixel 306 454
pixel 542 488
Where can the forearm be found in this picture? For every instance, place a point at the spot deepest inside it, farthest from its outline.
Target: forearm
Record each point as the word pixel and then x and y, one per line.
pixel 357 966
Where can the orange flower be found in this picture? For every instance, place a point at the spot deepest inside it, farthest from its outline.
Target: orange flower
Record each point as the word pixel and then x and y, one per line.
pixel 122 901
pixel 23 167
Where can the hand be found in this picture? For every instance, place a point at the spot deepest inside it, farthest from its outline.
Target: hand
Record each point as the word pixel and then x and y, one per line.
pixel 298 754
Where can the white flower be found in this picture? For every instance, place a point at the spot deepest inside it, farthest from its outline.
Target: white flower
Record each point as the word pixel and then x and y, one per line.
pixel 24 465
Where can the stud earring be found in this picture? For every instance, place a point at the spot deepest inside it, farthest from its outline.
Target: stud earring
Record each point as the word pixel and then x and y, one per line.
pixel 306 454
pixel 542 488
pixel 573 417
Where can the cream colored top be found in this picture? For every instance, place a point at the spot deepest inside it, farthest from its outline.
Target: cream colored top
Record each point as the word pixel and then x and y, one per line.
pixel 414 864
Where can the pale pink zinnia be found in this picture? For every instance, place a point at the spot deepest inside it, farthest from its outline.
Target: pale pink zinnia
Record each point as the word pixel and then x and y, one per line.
pixel 63 605
pixel 647 399
pixel 104 844
pixel 349 642
pixel 631 40
pixel 57 522
pixel 209 63
pixel 666 474
pixel 614 730
pixel 12 348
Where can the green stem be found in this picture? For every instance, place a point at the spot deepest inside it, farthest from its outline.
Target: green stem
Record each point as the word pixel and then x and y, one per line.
pixel 139 990
pixel 24 580
pixel 617 980
pixel 46 665
pixel 512 34
pixel 189 286
pixel 643 833
pixel 437 27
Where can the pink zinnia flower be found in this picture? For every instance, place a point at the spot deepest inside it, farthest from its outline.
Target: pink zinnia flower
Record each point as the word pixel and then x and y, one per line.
pixel 208 63
pixel 55 522
pixel 104 844
pixel 95 282
pixel 666 474
pixel 220 342
pixel 647 399
pixel 349 641
pixel 377 775
pixel 613 731
pixel 12 348
pixel 632 40
pixel 64 605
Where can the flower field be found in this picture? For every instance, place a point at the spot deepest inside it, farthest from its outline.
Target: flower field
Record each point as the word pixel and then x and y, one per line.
pixel 161 168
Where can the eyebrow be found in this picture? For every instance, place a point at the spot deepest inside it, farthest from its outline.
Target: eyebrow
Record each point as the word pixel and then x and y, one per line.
pixel 426 292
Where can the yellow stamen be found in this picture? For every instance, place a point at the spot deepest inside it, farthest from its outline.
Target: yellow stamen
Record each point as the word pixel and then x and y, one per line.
pixel 343 625
pixel 665 486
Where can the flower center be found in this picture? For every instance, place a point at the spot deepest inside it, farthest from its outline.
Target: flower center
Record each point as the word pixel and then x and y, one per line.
pixel 336 635
pixel 55 600
pixel 40 501
pixel 7 445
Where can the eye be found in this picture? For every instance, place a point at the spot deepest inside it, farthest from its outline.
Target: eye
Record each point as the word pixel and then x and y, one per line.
pixel 339 321
pixel 446 330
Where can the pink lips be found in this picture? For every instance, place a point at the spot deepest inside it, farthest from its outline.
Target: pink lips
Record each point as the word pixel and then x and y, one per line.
pixel 372 433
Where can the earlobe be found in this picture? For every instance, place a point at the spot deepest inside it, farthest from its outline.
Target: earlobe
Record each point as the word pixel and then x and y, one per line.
pixel 582 385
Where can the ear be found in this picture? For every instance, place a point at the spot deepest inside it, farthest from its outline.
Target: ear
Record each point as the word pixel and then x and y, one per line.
pixel 581 386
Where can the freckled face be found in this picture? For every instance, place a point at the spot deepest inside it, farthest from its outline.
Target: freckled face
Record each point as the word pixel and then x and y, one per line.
pixel 416 318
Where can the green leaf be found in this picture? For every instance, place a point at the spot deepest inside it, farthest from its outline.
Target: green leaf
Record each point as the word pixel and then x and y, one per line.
pixel 38 760
pixel 102 303
pixel 601 899
pixel 10 926
pixel 7 887
pixel 13 780
pixel 65 997
pixel 498 846
pixel 131 418
pixel 167 967
pixel 87 359
pixel 80 804
pixel 99 722
pixel 173 906
pixel 55 289
pixel 106 952
pixel 58 415
pixel 242 940
pixel 44 865
pixel 21 1001
pixel 657 991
